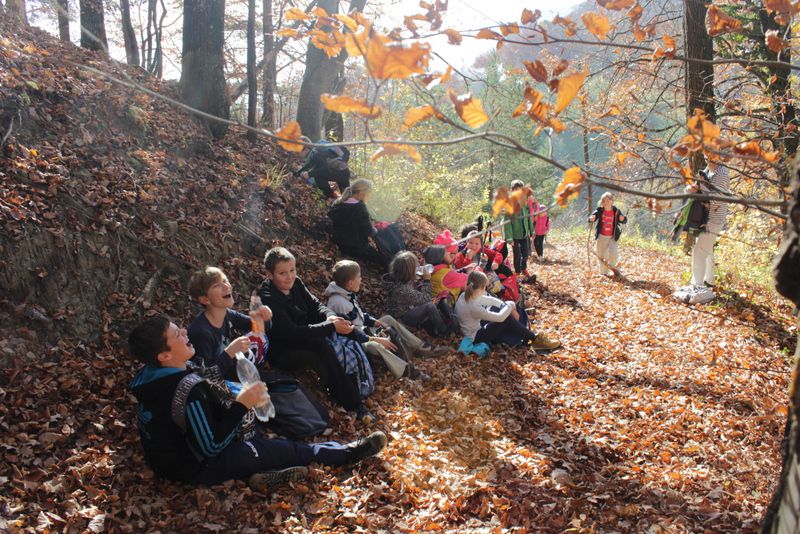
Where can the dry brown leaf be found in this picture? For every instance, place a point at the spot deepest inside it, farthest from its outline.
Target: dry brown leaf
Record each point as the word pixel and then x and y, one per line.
pixel 636 13
pixel 570 185
pixel 393 149
pixel 509 29
pixel 296 14
pixel 453 36
pixel 570 29
pixel 416 115
pixel 530 17
pixel 290 132
pixel 597 24
pixel 330 42
pixel 616 5
pixel 719 23
pixel 774 41
pixel 568 88
pixel 346 104
pixel 394 60
pixel 537 70
pixel 469 109
pixel 612 110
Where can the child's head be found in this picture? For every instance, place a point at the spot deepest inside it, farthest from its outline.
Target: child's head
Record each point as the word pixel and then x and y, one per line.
pixel 347 275
pixel 516 184
pixel 358 189
pixel 281 269
pixel 437 254
pixel 158 342
pixel 467 229
pixel 476 285
pixel 606 201
pixel 210 287
pixel 474 241
pixel 404 267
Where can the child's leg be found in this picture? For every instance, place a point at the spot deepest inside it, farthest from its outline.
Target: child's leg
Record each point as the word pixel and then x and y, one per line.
pixel 538 244
pixel 342 179
pixel 321 179
pixel 613 252
pixel 241 459
pixel 397 366
pixel 407 337
pixel 602 252
pixel 427 316
pixel 341 388
pixel 492 331
pixel 517 249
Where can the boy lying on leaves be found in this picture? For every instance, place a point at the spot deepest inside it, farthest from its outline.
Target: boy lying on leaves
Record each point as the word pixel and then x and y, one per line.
pixel 197 431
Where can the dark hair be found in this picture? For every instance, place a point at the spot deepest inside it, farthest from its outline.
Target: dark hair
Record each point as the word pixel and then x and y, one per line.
pixel 276 255
pixel 516 184
pixel 344 271
pixel 202 280
pixel 149 339
pixel 403 268
pixel 467 229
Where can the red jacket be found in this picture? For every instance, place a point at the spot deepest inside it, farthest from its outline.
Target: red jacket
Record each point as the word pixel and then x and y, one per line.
pixel 462 261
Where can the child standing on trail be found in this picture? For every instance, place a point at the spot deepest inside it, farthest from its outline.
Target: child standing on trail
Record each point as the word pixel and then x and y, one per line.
pixel 541 226
pixel 485 319
pixel 519 229
pixel 607 218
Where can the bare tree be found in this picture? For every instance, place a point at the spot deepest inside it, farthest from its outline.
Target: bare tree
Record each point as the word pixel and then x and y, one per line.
pixel 698 76
pixel 270 67
pixel 128 35
pixel 16 10
pixel 252 86
pixel 62 13
pixel 93 26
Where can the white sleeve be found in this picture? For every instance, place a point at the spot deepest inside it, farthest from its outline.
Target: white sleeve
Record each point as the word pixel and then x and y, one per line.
pixel 494 317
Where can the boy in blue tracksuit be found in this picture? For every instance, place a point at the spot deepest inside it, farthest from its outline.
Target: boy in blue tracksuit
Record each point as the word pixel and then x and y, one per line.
pixel 201 431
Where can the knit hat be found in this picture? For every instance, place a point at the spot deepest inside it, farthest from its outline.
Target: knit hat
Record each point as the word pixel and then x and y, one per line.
pixel 434 254
pixel 446 239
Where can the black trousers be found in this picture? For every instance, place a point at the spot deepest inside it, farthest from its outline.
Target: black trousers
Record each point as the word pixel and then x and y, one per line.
pixel 318 355
pixel 322 177
pixel 490 332
pixel 521 253
pixel 241 459
pixel 538 245
pixel 366 252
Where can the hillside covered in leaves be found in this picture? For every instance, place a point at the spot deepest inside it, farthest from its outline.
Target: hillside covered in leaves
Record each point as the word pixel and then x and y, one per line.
pixel 654 417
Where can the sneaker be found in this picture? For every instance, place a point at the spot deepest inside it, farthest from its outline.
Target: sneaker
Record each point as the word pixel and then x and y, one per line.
pixel 266 479
pixel 709 286
pixel 542 342
pixel 366 447
pixel 427 350
pixel 364 415
pixel 528 278
pixel 415 374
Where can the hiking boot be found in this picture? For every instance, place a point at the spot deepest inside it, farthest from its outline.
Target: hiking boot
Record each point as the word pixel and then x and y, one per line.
pixel 415 374
pixel 364 415
pixel 528 278
pixel 428 351
pixel 366 447
pixel 542 342
pixel 266 479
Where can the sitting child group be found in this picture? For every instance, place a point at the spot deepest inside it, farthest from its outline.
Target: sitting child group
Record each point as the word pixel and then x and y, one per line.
pixel 197 419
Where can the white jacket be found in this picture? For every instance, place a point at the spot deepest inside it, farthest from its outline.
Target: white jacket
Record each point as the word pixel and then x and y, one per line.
pixel 470 314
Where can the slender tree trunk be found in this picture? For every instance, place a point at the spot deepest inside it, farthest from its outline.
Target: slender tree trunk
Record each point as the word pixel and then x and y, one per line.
pixel 159 55
pixel 270 67
pixel 128 34
pixel 16 10
pixel 782 100
pixel 698 77
pixel 93 26
pixel 62 13
pixel 252 86
pixel 203 62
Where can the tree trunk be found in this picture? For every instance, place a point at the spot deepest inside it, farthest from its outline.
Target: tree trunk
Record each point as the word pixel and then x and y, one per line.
pixel 93 26
pixel 128 35
pixel 780 89
pixel 203 63
pixel 321 76
pixel 698 77
pixel 159 57
pixel 270 67
pixel 783 514
pixel 16 10
pixel 252 87
pixel 62 13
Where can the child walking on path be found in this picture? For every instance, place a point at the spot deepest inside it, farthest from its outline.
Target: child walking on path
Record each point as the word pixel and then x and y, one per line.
pixel 541 226
pixel 484 319
pixel 607 218
pixel 519 230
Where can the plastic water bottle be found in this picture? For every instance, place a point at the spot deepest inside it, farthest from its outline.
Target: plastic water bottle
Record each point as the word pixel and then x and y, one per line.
pixel 248 374
pixel 255 304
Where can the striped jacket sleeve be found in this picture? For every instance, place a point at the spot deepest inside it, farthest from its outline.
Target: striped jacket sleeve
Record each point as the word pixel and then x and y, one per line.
pixel 211 426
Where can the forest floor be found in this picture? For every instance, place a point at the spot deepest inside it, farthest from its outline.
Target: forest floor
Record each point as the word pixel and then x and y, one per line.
pixel 654 417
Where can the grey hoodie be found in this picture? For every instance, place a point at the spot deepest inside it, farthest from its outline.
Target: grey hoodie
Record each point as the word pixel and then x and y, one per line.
pixel 345 304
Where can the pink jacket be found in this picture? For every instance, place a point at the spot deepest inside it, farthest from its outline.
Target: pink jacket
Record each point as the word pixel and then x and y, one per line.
pixel 541 222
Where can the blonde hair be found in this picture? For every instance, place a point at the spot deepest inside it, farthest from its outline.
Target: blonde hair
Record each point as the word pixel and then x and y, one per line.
pixel 403 268
pixel 604 196
pixel 475 282
pixel 360 185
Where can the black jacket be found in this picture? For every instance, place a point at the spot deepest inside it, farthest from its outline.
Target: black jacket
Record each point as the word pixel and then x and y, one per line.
pixel 296 317
pixel 352 226
pixel 598 221
pixel 209 425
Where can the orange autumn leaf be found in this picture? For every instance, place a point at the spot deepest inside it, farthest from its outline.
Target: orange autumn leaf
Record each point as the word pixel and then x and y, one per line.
pixel 570 185
pixel 530 17
pixel 289 133
pixel 635 13
pixel 296 14
pixel 753 149
pixel 329 42
pixel 356 43
pixel 616 5
pixel 391 149
pixel 394 60
pixel 561 67
pixel 668 50
pixel 774 41
pixel 557 125
pixel 719 23
pixel 320 13
pixel 448 73
pixel 345 104
pixel 783 9
pixel 488 34
pixel 510 203
pixel 289 32
pixel 537 70
pixel 638 33
pixel 416 115
pixel 508 29
pixel 568 88
pixel 470 109
pixel 597 24
pixel 349 22
pixel 612 110
pixel 621 157
pixel 569 27
pixel 453 36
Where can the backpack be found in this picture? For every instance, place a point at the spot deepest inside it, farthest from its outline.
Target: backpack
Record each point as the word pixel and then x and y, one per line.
pixel 297 415
pixel 390 240
pixel 353 359
pixel 335 157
